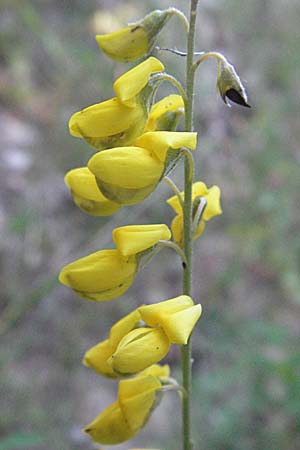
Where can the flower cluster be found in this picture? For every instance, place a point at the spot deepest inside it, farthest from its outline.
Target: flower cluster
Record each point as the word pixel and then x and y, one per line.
pixel 137 145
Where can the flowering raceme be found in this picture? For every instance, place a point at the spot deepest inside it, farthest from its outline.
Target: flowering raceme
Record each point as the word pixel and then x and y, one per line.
pixel 117 121
pixel 107 274
pixel 212 209
pixel 131 348
pixel 127 175
pixel 124 418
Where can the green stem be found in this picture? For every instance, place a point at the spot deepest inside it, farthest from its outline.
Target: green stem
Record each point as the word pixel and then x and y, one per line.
pixel 187 228
pixel 175 189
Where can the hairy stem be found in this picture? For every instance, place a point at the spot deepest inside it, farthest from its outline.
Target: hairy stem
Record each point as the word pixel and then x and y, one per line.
pixel 187 228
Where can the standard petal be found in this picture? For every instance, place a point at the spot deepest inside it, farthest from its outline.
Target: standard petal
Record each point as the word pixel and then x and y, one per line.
pixel 153 314
pixel 160 142
pixel 130 84
pixel 213 207
pixel 123 327
pixel 133 239
pixel 179 325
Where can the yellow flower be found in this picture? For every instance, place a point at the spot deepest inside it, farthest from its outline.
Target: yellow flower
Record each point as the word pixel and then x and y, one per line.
pixel 127 175
pixel 176 316
pixel 133 239
pixel 100 276
pixel 119 120
pixel 139 349
pixel 136 40
pixel 86 194
pixel 97 356
pixel 124 418
pixel 212 209
pixel 165 114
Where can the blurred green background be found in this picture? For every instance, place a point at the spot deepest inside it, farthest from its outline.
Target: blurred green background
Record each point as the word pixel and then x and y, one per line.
pixel 246 347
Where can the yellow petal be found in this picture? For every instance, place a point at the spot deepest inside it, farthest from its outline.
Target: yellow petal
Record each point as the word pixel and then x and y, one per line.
pixel 213 207
pixel 122 327
pixel 156 370
pixel 127 44
pixel 160 142
pixel 126 175
pixel 152 314
pixel 179 325
pixel 110 427
pixel 177 229
pixel 136 398
pixel 133 239
pixel 130 84
pixel 108 124
pixel 100 276
pixel 171 104
pixel 199 189
pixel 140 349
pixel 87 195
pixel 96 358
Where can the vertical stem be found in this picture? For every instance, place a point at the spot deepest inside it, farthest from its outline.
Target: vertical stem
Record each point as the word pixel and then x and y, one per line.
pixel 187 231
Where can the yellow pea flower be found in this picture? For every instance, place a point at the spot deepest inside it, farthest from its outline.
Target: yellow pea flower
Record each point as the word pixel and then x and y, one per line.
pixel 136 40
pixel 213 208
pixel 165 114
pixel 119 120
pixel 87 195
pixel 100 276
pixel 123 419
pixel 97 356
pixel 177 317
pixel 127 175
pixel 139 349
pixel 133 239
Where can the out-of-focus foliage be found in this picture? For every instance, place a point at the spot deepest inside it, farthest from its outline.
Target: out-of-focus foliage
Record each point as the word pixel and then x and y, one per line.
pixel 246 347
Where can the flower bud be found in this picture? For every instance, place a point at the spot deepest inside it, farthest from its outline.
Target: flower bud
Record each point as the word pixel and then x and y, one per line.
pixel 136 40
pixel 229 84
pixel 139 349
pixel 133 239
pixel 100 276
pixel 87 195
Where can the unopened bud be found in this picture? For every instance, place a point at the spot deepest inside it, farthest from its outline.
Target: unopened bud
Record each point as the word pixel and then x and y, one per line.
pixel 230 85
